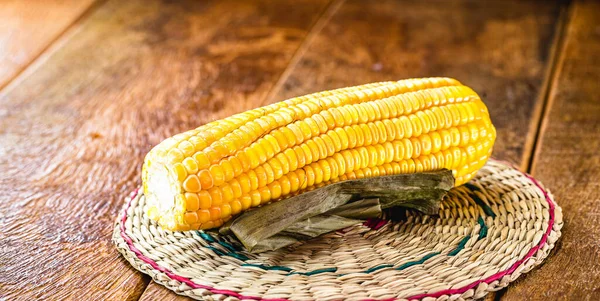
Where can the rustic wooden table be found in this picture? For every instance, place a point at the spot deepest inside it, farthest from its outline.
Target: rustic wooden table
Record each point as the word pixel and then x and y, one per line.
pixel 88 87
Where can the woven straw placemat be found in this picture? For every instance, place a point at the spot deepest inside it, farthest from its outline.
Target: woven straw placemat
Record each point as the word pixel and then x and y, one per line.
pixel 488 232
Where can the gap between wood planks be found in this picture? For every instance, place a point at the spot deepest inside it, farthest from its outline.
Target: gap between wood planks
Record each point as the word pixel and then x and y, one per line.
pixel 567 160
pixel 545 102
pixel 322 20
pixel 53 44
pixel 554 64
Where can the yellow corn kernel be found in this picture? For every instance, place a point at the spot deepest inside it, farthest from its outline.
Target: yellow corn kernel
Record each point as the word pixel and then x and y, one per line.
pixel 236 207
pixel 236 188
pixel 191 217
pixel 227 169
pixel 216 196
pixel 192 201
pixel 191 183
pixel 255 197
pixel 205 179
pixel 225 211
pixel 201 160
pixel 204 200
pixel 203 216
pixel 227 193
pixel 246 202
pixel 178 171
pixel 215 213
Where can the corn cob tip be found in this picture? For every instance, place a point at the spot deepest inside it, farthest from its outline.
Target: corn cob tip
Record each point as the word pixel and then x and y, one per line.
pixel 160 191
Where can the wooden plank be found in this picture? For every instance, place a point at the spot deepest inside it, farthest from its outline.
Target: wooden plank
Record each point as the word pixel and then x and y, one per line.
pixel 28 27
pixel 73 133
pixel 500 48
pixel 156 291
pixel 567 161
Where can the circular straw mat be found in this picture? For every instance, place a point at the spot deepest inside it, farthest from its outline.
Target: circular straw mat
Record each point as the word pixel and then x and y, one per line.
pixel 488 232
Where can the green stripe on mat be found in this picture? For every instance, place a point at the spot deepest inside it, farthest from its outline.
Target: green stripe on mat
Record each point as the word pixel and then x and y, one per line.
pixel 219 252
pixel 206 236
pixel 319 271
pixel 286 269
pixel 379 267
pixel 233 251
pixel 478 200
pixel 265 267
pixel 228 246
pixel 332 270
pixel 461 245
pixel 483 230
pixel 238 256
pixel 420 261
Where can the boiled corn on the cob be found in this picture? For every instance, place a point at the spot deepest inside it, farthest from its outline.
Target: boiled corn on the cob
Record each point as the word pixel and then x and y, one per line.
pixel 201 178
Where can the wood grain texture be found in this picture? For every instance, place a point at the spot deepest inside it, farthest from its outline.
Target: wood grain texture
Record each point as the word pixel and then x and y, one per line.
pixel 74 132
pixel 28 27
pixel 568 163
pixel 500 49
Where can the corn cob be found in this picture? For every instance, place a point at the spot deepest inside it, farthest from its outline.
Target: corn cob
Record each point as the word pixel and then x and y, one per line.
pixel 201 178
